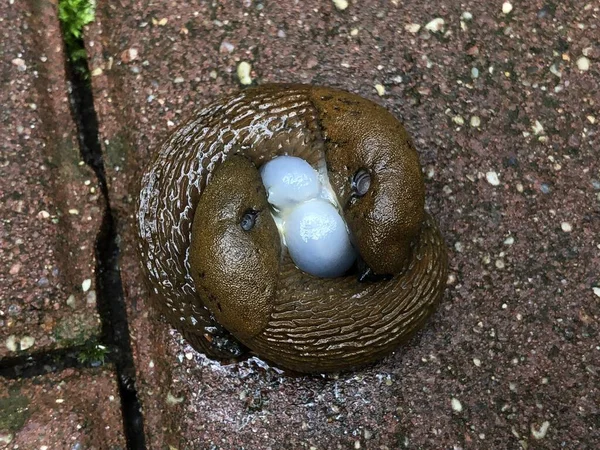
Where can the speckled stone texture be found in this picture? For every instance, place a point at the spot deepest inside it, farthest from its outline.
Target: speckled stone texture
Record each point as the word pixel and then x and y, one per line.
pixel 504 112
pixel 72 410
pixel 49 201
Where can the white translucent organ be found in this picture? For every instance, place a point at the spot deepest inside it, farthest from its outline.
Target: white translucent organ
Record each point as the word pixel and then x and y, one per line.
pixel 313 229
pixel 289 180
pixel 317 239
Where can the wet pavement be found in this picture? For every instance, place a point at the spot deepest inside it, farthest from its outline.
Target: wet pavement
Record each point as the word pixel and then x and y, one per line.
pixel 51 208
pixel 502 103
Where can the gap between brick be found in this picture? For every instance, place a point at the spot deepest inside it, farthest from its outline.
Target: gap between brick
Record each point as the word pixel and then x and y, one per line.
pixel 110 297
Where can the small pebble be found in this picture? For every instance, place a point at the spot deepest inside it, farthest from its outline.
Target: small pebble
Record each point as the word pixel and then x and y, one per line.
pixel 90 298
pixel 475 121
pixel 458 120
pixel 507 7
pixel 129 55
pixel 509 240
pixel 340 4
pixel 477 362
pixel 178 80
pixel 86 285
pixel 71 301
pixel 11 343
pixel 466 16
pixel 172 400
pixel 474 72
pixel 583 64
pixel 412 27
pixel 15 268
pixel 243 72
pixel 380 89
pixel 566 227
pixel 537 128
pixel 456 405
pixel 26 342
pixel 541 432
pixel 226 47
pixel 596 291
pixel 20 63
pixel 435 25
pixel 499 264
pixel 97 71
pixel 492 178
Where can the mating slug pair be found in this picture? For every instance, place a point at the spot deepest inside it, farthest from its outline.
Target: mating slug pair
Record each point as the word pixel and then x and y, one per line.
pixel 213 256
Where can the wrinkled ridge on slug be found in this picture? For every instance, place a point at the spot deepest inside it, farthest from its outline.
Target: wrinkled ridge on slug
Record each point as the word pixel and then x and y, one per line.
pixel 344 323
pixel 312 324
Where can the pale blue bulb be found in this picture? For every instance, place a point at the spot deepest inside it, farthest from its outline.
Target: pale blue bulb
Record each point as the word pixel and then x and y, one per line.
pixel 317 239
pixel 289 180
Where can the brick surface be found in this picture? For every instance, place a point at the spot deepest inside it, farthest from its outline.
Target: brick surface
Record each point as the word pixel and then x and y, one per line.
pixel 72 410
pixel 510 359
pixel 49 201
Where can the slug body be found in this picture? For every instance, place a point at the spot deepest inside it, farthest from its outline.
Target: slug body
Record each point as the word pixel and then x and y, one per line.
pixel 215 262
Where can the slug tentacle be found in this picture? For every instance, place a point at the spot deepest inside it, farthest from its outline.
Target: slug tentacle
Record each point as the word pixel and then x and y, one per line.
pixel 211 250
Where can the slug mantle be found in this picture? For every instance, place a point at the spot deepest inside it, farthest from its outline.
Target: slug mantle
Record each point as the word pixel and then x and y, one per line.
pixel 210 248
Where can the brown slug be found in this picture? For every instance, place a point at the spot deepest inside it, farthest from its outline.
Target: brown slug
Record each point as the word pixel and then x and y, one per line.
pixel 215 262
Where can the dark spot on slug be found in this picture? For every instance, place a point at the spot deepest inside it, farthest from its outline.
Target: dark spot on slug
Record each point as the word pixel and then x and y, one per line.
pixel 248 219
pixel 361 182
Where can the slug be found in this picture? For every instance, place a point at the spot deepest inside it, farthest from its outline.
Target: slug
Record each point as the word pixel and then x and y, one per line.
pixel 213 257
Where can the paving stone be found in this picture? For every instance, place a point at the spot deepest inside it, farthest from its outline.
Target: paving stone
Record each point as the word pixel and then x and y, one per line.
pixel 510 359
pixel 50 204
pixel 71 410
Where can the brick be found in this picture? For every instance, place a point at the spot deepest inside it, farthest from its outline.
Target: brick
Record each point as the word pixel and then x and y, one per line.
pixel 513 341
pixel 50 204
pixel 71 410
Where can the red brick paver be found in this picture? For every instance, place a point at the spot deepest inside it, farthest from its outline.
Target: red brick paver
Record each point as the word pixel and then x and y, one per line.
pixel 49 201
pixel 506 123
pixel 72 410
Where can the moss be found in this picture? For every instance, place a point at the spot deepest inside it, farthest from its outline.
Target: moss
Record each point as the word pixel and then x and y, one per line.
pixel 93 353
pixel 76 329
pixel 116 151
pixel 74 15
pixel 14 412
